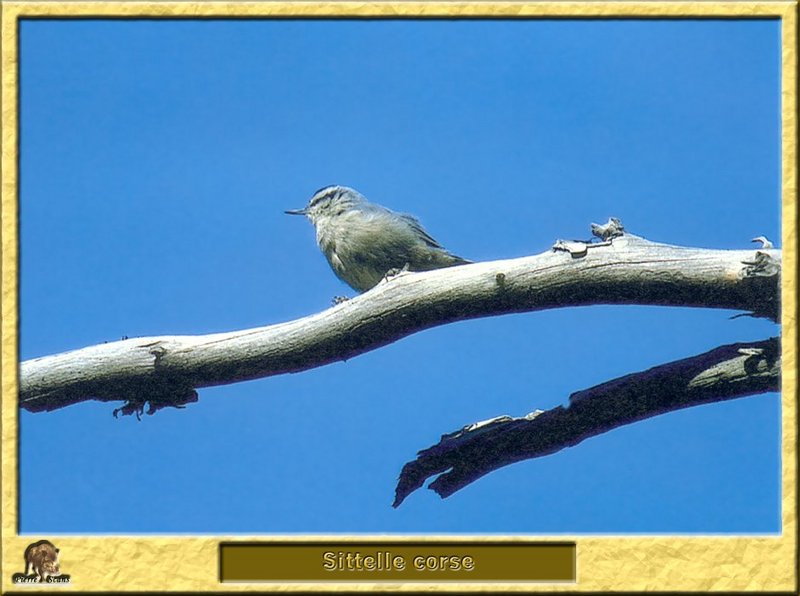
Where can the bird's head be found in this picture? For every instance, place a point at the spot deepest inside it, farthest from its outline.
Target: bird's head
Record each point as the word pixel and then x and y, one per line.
pixel 330 201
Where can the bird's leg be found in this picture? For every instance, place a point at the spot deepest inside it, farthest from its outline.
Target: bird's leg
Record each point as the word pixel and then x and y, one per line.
pixel 337 300
pixel 394 272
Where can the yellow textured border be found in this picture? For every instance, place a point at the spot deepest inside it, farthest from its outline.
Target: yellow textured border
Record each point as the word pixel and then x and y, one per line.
pixel 606 563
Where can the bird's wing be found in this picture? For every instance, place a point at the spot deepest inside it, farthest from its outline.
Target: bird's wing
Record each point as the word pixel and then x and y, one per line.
pixel 417 227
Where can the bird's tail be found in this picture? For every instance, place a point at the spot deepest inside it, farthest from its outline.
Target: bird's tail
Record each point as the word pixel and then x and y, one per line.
pixel 459 260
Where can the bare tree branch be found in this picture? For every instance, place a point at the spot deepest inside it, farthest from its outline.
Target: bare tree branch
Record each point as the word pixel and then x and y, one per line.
pixel 622 269
pixel 727 372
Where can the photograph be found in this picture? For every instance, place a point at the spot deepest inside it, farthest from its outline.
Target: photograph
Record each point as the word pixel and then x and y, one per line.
pixel 467 277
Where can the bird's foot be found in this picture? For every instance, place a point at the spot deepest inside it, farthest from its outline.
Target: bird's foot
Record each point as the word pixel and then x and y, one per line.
pixel 337 300
pixel 394 272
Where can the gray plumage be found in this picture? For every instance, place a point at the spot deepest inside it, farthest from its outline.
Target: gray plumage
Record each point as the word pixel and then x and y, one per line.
pixel 364 241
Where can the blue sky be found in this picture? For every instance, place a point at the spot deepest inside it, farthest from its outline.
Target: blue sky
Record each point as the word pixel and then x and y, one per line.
pixel 157 158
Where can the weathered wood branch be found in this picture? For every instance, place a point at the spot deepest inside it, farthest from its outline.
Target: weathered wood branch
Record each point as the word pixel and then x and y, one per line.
pixel 460 458
pixel 166 370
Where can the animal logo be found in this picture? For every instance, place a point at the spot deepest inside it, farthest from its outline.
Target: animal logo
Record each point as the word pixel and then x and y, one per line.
pixel 41 565
pixel 41 558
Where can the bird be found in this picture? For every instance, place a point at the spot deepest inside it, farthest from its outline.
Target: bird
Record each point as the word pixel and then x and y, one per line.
pixel 365 242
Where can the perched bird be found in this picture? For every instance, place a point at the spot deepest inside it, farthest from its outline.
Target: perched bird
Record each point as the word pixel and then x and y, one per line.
pixel 364 242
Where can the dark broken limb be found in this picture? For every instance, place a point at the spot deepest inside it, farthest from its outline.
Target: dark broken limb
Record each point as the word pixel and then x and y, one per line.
pixel 460 458
pixel 156 398
pixel 620 269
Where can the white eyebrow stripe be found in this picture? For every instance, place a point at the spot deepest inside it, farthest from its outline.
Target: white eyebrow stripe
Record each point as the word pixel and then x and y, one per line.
pixel 322 193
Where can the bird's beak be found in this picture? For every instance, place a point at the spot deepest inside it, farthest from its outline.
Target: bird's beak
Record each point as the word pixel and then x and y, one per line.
pixel 296 212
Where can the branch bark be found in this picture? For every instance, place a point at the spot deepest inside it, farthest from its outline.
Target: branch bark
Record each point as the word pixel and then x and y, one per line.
pixel 626 269
pixel 727 372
